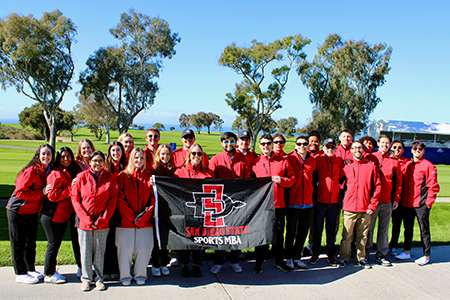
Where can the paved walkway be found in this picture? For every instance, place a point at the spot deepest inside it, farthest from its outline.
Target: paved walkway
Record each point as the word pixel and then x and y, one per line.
pixel 404 280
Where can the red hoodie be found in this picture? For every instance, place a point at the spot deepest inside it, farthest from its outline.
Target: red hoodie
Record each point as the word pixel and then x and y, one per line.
pixel 135 201
pixel 329 171
pixel 180 155
pixel 391 178
pixel 94 202
pixel 58 206
pixel 223 167
pixel 301 192
pixel 27 198
pixel 363 186
pixel 421 184
pixel 265 167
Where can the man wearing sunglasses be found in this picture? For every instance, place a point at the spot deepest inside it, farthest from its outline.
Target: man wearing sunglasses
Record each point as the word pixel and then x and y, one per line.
pixel 329 169
pixel 391 187
pixel 188 139
pixel 152 136
pixel 270 165
pixel 243 144
pixel 278 144
pixel 228 164
pixel 300 209
pixel 419 195
pixel 362 181
pixel 343 150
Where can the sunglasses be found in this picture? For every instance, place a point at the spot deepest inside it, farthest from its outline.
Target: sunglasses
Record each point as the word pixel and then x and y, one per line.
pixel 302 144
pixel 196 153
pixel 280 142
pixel 330 147
pixel 229 143
pixel 188 137
pixel 153 136
pixel 420 148
pixel 399 147
pixel 265 144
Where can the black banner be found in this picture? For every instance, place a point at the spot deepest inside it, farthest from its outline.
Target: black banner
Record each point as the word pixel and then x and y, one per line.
pixel 218 214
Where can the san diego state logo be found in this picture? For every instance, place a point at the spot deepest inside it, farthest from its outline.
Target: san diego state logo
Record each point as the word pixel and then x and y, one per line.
pixel 213 205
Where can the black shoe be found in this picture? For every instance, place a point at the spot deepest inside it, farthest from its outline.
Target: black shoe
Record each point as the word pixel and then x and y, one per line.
pixel 281 266
pixel 364 264
pixel 185 272
pixel 258 269
pixel 196 271
pixel 306 252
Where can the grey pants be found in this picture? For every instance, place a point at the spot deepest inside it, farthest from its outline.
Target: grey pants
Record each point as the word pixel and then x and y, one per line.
pixel 383 212
pixel 92 250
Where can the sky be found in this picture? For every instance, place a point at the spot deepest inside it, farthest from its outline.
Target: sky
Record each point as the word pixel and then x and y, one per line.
pixel 193 80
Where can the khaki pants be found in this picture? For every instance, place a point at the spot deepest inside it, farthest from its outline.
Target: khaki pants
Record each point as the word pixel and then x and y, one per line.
pixel 361 223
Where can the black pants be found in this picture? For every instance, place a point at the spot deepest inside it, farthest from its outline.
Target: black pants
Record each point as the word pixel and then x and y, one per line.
pixel 329 212
pixel 159 256
pixel 219 257
pixel 423 217
pixel 397 218
pixel 22 234
pixel 54 232
pixel 111 264
pixel 277 246
pixel 75 242
pixel 197 256
pixel 298 222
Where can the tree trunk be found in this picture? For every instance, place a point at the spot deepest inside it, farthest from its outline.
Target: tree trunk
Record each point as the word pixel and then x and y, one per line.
pixel 51 123
pixel 107 132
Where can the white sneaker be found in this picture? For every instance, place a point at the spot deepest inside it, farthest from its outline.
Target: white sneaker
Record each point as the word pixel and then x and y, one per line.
pixel 165 271
pixel 26 278
pixel 174 262
pixel 156 272
pixel 403 256
pixel 422 261
pixel 126 281
pixel 54 279
pixel 79 272
pixel 60 275
pixel 290 263
pixel 140 280
pixel 36 274
pixel 236 268
pixel 300 264
pixel 216 269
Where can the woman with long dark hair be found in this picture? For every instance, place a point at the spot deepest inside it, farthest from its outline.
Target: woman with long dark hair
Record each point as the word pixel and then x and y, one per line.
pixel 22 212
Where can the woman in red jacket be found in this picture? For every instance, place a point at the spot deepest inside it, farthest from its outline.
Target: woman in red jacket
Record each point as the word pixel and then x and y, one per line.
pixel 163 165
pixel 195 168
pixel 57 209
pixel 22 212
pixel 127 141
pixel 84 151
pixel 115 163
pixel 94 199
pixel 135 204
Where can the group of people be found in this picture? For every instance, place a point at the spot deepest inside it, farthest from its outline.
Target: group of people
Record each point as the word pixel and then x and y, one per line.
pixel 109 202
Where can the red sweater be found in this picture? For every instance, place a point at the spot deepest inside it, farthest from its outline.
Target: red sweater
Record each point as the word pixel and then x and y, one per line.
pixel 391 178
pixel 223 167
pixel 59 204
pixel 421 184
pixel 329 171
pixel 363 186
pixel 190 172
pixel 180 155
pixel 94 202
pixel 265 167
pixel 27 198
pixel 135 201
pixel 301 192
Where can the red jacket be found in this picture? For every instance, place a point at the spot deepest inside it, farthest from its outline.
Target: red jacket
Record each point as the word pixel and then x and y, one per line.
pixel 281 153
pixel 94 202
pixel 27 198
pixel 250 155
pixel 421 184
pixel 344 153
pixel 391 178
pixel 301 192
pixel 180 155
pixel 190 172
pixel 148 158
pixel 265 167
pixel 135 201
pixel 223 167
pixel 58 204
pixel 317 153
pixel 363 186
pixel 329 171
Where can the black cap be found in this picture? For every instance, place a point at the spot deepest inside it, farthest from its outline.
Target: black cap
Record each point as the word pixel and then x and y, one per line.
pixel 187 132
pixel 244 134
pixel 329 141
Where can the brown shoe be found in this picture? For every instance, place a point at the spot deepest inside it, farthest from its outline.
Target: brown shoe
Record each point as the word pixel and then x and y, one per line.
pixel 332 261
pixel 314 259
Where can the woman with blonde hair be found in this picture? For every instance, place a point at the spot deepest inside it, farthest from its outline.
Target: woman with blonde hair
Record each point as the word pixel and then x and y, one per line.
pixel 134 236
pixel 84 151
pixel 128 143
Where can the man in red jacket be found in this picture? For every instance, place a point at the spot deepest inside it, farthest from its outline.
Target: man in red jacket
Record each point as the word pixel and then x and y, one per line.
pixel 421 187
pixel 243 144
pixel 391 188
pixel 343 150
pixel 228 164
pixel 152 136
pixel 188 139
pixel 362 181
pixel 270 165
pixel 314 143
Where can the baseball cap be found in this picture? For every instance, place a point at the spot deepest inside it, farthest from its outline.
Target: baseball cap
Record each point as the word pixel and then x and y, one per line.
pixel 244 134
pixel 187 132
